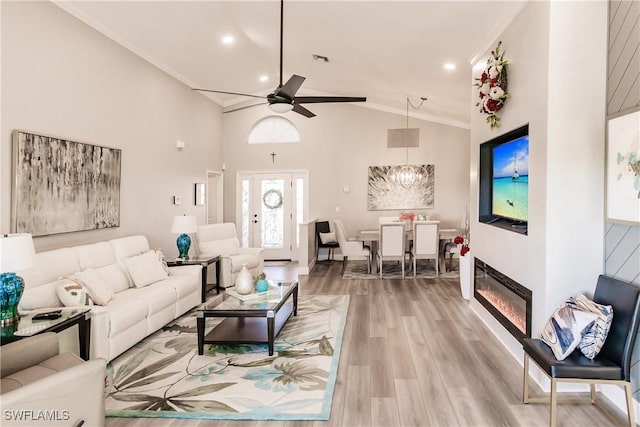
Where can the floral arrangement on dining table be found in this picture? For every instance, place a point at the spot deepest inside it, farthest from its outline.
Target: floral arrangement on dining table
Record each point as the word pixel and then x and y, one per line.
pixel 492 86
pixel 407 216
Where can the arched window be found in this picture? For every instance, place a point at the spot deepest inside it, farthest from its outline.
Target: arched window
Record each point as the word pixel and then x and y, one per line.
pixel 273 129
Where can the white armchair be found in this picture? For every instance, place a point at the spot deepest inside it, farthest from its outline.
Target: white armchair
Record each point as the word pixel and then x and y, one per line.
pixel 221 239
pixel 36 377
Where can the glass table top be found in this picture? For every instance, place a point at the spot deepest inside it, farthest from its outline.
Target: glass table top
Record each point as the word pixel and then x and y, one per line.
pixel 263 301
pixel 27 326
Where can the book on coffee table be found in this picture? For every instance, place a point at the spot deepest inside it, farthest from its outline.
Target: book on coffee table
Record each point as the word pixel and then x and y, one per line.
pixel 273 290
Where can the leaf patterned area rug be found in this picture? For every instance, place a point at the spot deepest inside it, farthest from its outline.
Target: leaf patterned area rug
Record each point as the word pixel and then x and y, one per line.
pixel 393 270
pixel 163 376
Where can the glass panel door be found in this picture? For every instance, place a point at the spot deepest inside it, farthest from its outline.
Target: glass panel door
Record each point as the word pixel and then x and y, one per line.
pixel 272 216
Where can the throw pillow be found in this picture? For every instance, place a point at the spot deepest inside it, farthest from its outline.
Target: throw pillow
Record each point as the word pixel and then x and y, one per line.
pixel 162 260
pixel 113 276
pixel 72 293
pixel 100 292
pixel 593 339
pixel 145 269
pixel 328 238
pixel 563 331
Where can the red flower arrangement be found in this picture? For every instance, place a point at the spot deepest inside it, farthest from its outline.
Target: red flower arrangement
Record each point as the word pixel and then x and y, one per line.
pixel 492 86
pixel 407 216
pixel 459 240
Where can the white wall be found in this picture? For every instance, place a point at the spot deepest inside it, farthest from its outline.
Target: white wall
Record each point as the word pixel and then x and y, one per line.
pixel 338 146
pixel 62 78
pixel 557 54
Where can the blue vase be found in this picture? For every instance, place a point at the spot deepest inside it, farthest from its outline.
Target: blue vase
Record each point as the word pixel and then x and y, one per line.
pixel 11 288
pixel 183 242
pixel 262 285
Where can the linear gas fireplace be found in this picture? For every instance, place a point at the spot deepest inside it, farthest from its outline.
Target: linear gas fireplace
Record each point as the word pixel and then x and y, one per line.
pixel 507 300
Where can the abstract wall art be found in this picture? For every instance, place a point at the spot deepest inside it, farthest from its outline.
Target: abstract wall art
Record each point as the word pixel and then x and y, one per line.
pixel 623 169
pixel 61 186
pixel 386 193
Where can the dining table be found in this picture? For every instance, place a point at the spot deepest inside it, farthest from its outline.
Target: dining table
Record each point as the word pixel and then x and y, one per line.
pixel 372 236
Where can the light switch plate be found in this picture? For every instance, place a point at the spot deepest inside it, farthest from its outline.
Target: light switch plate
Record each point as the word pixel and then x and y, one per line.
pixel 177 200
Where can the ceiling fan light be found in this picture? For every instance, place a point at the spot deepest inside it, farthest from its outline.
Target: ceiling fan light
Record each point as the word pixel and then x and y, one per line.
pixel 280 107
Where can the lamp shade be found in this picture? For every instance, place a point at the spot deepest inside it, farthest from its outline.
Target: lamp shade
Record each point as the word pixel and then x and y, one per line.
pixel 281 107
pixel 184 224
pixel 16 252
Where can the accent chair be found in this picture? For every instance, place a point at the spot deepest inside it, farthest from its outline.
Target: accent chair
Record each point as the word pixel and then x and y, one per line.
pixel 351 249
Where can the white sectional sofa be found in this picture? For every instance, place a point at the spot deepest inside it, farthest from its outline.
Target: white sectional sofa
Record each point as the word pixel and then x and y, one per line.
pixel 132 312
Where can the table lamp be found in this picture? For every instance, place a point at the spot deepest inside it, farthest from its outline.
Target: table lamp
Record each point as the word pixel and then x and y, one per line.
pixel 16 253
pixel 183 224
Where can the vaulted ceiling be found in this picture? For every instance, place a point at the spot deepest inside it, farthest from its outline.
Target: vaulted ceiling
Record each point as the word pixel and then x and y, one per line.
pixel 384 50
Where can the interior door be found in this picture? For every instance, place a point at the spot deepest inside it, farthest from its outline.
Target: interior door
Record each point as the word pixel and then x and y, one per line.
pixel 272 215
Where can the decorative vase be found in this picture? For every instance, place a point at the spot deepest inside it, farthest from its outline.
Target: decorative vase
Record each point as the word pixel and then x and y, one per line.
pixel 262 285
pixel 11 288
pixel 244 281
pixel 183 242
pixel 465 276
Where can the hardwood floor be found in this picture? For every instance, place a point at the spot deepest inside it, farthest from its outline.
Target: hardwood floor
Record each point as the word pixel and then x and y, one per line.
pixel 413 354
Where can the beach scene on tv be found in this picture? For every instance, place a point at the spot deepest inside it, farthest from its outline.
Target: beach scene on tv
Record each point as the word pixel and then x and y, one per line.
pixel 511 179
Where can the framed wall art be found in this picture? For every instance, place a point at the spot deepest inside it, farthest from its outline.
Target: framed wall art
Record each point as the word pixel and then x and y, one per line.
pixel 623 169
pixel 62 186
pixel 385 192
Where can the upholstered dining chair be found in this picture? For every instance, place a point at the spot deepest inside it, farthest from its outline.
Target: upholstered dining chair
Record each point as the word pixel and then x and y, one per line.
pixel 392 244
pixel 324 240
pixel 351 249
pixel 426 242
pixel 611 366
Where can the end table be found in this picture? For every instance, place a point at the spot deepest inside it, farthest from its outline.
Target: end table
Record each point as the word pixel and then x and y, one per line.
pixel 203 261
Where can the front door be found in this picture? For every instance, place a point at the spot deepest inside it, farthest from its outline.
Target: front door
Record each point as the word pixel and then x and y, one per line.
pixel 269 208
pixel 272 215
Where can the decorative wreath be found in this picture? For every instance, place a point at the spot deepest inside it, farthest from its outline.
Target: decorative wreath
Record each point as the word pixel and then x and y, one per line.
pixel 272 199
pixel 492 86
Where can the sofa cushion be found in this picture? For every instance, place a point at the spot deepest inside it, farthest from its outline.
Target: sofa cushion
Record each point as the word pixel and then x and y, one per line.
pixel 227 246
pixel 126 247
pixel 95 255
pixel 43 296
pixel 183 285
pixel 157 297
pixel 126 311
pixel 145 269
pixel 114 277
pixel 101 293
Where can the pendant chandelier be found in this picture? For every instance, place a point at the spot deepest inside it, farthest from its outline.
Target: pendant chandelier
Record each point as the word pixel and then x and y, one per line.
pixel 409 175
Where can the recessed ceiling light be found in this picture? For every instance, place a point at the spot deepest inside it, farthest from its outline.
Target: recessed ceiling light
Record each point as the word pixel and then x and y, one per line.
pixel 227 39
pixel 320 58
pixel 449 66
pixel 264 78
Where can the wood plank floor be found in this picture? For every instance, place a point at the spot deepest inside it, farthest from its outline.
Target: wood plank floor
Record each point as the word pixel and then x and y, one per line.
pixel 413 354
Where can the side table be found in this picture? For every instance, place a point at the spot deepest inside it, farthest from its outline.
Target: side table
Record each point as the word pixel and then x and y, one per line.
pixel 203 261
pixel 27 327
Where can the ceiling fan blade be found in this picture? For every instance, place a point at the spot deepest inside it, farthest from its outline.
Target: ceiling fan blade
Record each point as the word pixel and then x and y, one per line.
pixel 290 87
pixel 319 99
pixel 231 110
pixel 230 93
pixel 301 110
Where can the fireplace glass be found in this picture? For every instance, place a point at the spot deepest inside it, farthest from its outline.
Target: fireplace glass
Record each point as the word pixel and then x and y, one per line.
pixel 508 301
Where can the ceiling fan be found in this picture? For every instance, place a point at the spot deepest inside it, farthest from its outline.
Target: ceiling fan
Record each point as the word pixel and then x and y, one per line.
pixel 284 98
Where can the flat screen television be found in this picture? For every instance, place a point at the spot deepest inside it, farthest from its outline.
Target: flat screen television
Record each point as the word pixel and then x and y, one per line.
pixel 510 179
pixel 504 180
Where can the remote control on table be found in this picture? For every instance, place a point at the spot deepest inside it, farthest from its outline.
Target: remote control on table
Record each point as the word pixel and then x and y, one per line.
pixel 48 315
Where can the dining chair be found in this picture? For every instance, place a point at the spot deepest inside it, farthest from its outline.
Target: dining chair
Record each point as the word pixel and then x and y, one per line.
pixel 323 229
pixel 351 249
pixel 426 242
pixel 391 247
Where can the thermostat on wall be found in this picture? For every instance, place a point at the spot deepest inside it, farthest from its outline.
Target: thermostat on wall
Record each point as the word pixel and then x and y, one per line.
pixel 177 200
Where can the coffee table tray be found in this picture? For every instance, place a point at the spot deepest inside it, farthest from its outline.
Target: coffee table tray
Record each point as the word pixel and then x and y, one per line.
pixel 273 290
